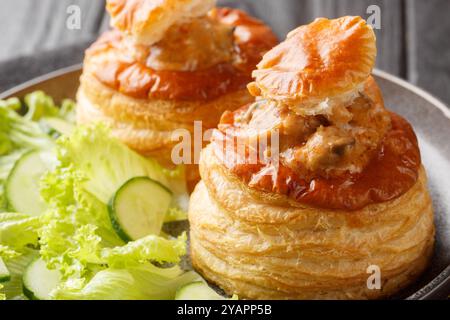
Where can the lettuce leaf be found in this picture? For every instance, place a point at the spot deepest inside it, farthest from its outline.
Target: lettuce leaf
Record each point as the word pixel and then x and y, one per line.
pixel 152 248
pixel 75 234
pixel 18 231
pixel 17 132
pixel 8 253
pixel 76 225
pixel 136 283
pixel 77 239
pixel 107 164
pixel 40 105
pixel 11 103
pixel 18 236
pixel 67 111
pixel 17 136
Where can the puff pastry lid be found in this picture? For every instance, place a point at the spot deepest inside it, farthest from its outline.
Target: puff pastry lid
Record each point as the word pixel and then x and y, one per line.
pixel 146 21
pixel 325 59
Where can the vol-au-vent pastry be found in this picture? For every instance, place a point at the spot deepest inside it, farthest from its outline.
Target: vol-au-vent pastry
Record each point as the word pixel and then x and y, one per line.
pixel 166 64
pixel 315 187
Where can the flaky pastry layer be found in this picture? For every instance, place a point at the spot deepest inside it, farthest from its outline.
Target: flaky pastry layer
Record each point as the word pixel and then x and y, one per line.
pixel 326 59
pixel 263 246
pixel 146 21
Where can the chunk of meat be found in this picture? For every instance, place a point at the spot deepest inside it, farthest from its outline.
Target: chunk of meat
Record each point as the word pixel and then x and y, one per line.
pixel 340 144
pixel 326 147
pixel 321 145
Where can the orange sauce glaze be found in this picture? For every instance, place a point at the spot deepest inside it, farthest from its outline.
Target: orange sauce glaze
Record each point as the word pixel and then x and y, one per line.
pixel 391 172
pixel 135 79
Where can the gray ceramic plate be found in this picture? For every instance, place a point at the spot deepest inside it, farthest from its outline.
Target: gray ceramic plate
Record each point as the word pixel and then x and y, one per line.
pixel 431 120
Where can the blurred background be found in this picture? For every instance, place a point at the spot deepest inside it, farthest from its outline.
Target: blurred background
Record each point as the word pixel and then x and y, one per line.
pixel 413 35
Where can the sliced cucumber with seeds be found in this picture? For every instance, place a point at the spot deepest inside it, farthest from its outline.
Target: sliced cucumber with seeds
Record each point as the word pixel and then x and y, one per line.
pixel 39 281
pixel 5 275
pixel 22 184
pixel 138 208
pixel 199 291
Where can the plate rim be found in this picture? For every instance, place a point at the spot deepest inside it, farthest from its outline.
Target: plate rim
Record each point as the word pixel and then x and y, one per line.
pixel 377 72
pixel 45 77
pixel 426 292
pixel 415 89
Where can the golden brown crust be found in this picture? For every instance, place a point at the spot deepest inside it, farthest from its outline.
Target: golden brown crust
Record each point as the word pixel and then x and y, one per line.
pixel 123 65
pixel 147 20
pixel 324 59
pixel 144 105
pixel 260 238
pixel 252 244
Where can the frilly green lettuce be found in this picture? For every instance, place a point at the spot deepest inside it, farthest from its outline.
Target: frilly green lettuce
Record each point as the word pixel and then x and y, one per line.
pixel 17 232
pixel 18 240
pixel 17 132
pixel 18 235
pixel 145 282
pixel 75 235
pixel 152 248
pixel 11 103
pixel 107 164
pixel 16 265
pixel 40 105
pixel 18 135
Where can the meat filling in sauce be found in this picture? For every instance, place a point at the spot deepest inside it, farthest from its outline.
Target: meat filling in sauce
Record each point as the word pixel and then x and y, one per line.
pixel 344 159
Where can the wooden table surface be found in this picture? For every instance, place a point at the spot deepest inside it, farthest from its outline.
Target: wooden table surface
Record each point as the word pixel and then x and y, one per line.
pixel 413 42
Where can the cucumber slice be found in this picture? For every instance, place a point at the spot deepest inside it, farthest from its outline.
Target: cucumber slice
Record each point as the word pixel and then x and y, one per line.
pixel 199 291
pixel 22 184
pixel 138 208
pixel 17 266
pixel 5 275
pixel 38 281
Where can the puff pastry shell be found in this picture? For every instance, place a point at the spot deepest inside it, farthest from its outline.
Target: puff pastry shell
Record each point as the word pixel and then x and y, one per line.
pixel 261 246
